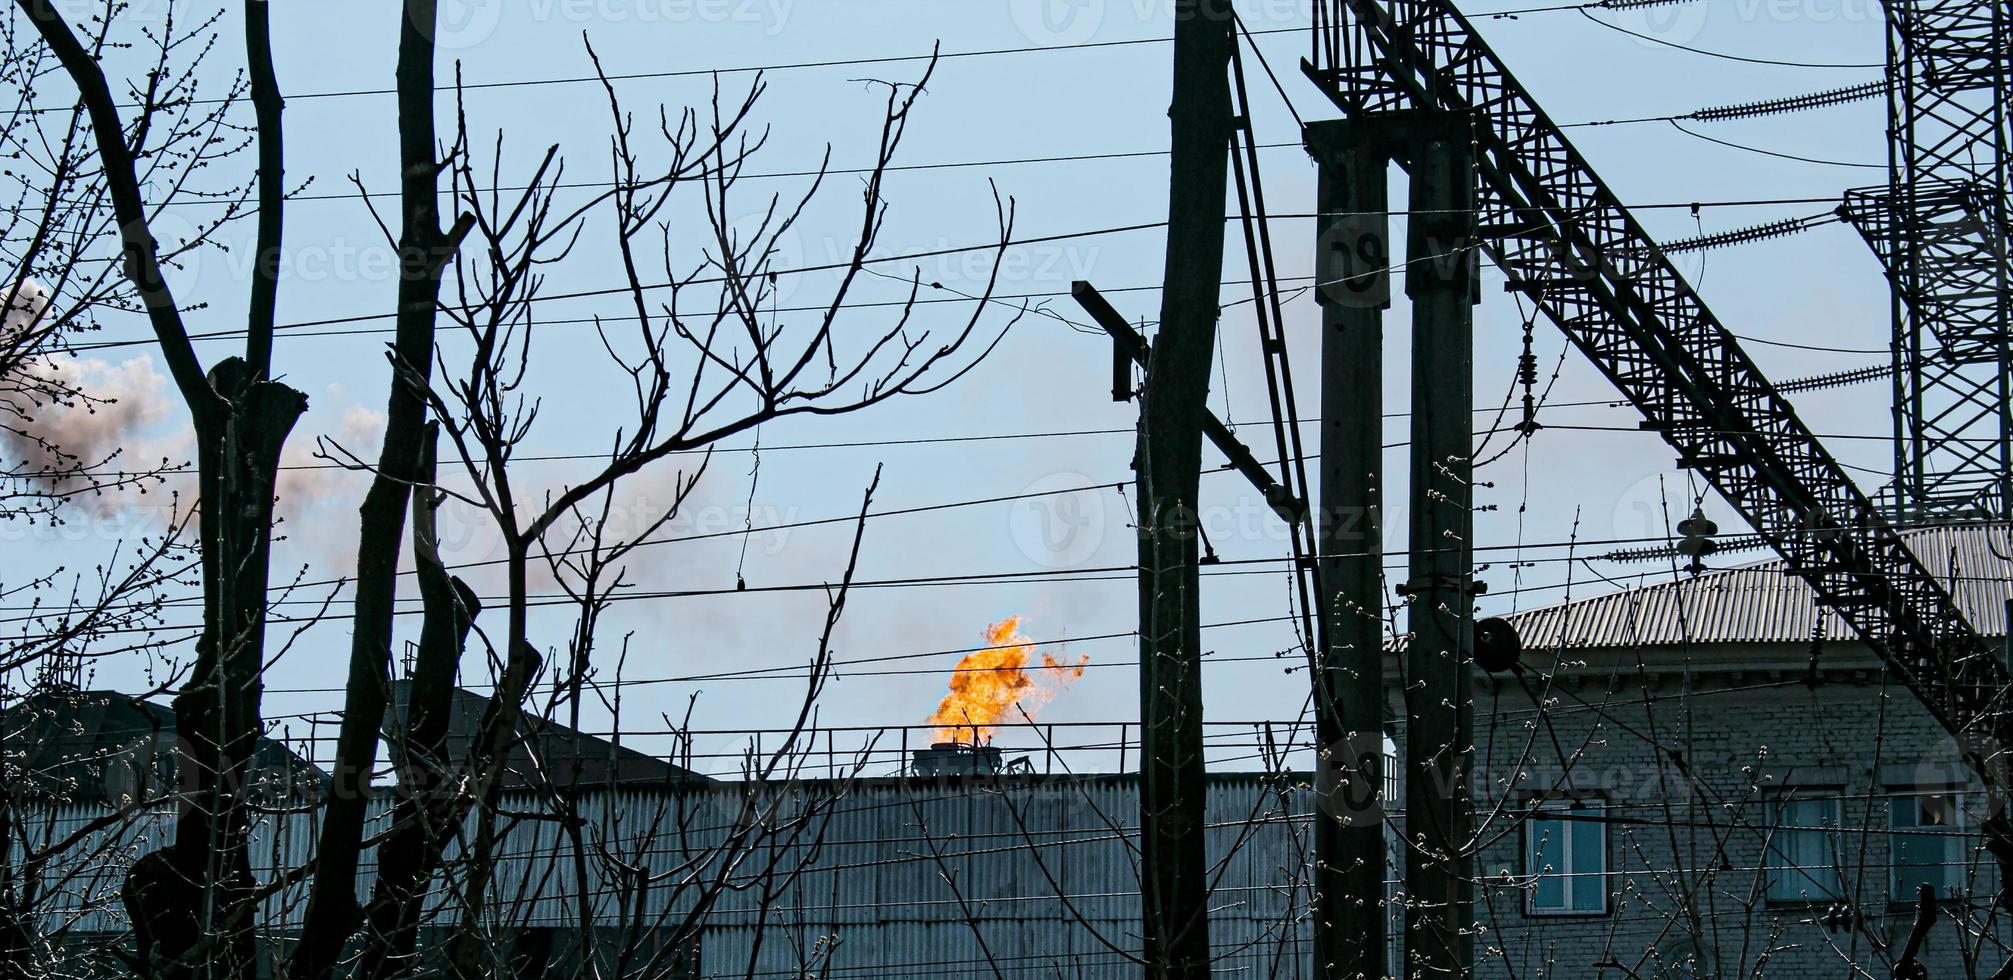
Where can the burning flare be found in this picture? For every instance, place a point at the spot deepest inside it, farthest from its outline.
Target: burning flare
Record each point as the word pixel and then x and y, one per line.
pixel 988 684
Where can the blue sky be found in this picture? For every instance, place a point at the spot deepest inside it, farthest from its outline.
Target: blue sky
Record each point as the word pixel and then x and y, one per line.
pixel 1821 288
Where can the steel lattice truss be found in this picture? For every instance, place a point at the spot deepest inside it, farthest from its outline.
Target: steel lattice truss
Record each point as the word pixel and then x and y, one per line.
pixel 1940 230
pixel 1564 239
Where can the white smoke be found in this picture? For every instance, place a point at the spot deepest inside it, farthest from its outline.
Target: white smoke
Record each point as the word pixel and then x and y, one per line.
pixel 88 428
pixel 316 509
pixel 27 303
pixel 309 482
pixel 118 402
pixel 75 425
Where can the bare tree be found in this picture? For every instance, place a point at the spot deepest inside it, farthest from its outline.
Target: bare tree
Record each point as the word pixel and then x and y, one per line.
pixel 428 805
pixel 698 373
pixel 423 248
pixel 193 904
pixel 657 865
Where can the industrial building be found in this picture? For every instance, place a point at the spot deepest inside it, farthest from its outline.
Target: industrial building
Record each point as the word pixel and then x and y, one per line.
pixel 1685 804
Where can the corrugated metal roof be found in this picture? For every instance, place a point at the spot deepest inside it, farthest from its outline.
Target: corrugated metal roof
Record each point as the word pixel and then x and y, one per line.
pixel 544 753
pixel 80 746
pixel 1764 603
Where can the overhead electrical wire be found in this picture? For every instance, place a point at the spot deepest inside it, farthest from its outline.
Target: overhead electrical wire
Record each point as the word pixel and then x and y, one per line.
pixel 1776 62
pixel 795 447
pixel 793 670
pixel 300 328
pixel 1796 157
pixel 1224 567
pixel 787 671
pixel 1819 348
pixel 870 60
pixel 598 79
pixel 331 196
pixel 697 281
pixel 1812 383
pixel 767 175
pixel 1765 107
pixel 960 296
pixel 1112 574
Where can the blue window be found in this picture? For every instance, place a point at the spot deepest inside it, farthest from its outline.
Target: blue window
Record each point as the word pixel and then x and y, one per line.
pixel 1566 858
pixel 1925 834
pixel 1803 847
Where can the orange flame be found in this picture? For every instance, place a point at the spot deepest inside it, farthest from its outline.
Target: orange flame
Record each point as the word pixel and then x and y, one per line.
pixel 988 684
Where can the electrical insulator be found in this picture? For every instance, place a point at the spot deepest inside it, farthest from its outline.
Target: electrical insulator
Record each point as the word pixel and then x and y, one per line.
pixel 1697 532
pixel 1816 652
pixel 1527 375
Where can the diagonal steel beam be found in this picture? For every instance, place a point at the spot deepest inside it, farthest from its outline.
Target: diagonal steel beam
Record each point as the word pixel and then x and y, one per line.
pixel 1564 238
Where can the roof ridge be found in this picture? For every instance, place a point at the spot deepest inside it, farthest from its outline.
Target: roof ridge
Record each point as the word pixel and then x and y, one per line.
pixel 1760 601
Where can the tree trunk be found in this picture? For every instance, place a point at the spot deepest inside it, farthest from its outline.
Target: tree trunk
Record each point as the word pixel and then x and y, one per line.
pixel 408 858
pixel 486 758
pixel 192 907
pixel 207 873
pixel 423 249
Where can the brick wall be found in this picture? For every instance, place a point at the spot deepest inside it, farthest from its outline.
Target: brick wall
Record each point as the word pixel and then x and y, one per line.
pixel 1684 763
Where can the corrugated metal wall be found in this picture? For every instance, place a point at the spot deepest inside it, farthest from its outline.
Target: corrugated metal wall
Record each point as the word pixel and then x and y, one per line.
pixel 874 878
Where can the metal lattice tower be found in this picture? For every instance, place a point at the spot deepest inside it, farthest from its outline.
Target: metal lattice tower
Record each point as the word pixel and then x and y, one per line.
pixel 1563 238
pixel 1940 229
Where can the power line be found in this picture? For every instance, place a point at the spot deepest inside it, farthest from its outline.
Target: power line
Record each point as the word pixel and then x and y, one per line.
pixel 868 60
pixel 299 327
pixel 772 175
pixel 1045 577
pixel 1820 348
pixel 1096 157
pixel 1776 62
pixel 1776 153
pixel 929 508
pixel 703 72
pixel 1041 576
pixel 698 281
pixel 1219 568
pixel 787 670
pixel 1844 95
pixel 182 471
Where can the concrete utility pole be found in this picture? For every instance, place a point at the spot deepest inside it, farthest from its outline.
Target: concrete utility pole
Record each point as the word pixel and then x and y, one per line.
pixel 1174 889
pixel 1440 279
pixel 1352 270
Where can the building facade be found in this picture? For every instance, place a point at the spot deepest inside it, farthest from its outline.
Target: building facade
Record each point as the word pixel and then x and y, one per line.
pixel 1706 777
pixel 1710 776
